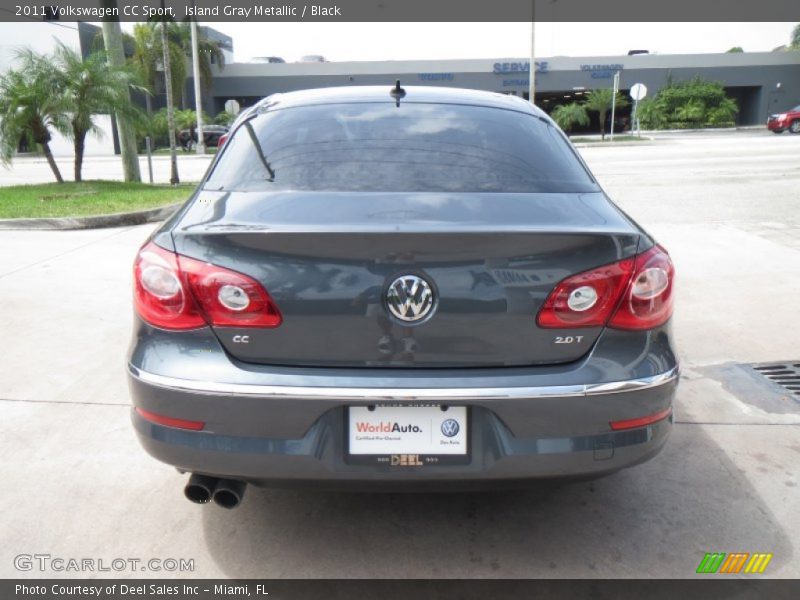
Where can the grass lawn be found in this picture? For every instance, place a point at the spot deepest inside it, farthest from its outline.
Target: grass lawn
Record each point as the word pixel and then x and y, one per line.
pixel 72 199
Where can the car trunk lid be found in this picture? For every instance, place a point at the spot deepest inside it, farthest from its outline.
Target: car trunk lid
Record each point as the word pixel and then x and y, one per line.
pixel 328 260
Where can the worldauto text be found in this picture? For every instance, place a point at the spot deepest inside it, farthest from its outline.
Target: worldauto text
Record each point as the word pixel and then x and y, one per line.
pixel 386 427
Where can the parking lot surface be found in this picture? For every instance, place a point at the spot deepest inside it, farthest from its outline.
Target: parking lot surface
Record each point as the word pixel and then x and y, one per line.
pixel 727 206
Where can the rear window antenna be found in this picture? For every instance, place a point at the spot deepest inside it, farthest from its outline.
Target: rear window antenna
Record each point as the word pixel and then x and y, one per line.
pixel 397 92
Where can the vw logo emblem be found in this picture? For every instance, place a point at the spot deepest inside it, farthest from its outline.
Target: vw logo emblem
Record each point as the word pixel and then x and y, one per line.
pixel 410 298
pixel 450 428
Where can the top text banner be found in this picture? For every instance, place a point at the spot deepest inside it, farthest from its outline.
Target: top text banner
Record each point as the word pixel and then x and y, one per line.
pixel 404 10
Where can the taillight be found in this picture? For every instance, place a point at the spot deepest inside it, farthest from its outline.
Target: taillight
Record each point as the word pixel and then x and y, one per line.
pixel 160 295
pixel 586 299
pixel 634 293
pixel 221 141
pixel 648 301
pixel 176 292
pixel 228 298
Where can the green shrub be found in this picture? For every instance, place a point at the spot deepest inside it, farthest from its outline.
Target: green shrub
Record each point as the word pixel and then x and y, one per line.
pixel 688 104
pixel 569 115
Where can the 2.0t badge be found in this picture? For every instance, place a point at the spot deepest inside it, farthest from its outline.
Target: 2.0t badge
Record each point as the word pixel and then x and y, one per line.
pixel 410 298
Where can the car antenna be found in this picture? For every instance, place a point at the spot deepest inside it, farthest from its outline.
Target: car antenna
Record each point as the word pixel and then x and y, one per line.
pixel 397 92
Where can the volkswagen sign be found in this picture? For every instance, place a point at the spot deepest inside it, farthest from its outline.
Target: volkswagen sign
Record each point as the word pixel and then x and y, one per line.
pixel 450 428
pixel 410 299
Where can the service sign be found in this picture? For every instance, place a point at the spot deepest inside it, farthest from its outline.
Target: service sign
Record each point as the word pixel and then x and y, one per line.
pixel 421 431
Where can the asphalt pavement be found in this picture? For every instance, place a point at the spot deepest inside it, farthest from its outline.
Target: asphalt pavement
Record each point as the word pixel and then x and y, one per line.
pixel 76 484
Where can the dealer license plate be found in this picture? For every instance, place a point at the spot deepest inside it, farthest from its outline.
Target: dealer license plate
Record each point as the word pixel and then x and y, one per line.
pixel 407 435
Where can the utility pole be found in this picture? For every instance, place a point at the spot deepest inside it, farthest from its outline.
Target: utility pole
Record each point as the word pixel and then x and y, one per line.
pixel 532 68
pixel 115 54
pixel 200 148
pixel 614 91
pixel 173 155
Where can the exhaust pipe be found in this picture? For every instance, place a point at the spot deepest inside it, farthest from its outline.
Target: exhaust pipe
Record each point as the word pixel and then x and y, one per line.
pixel 200 488
pixel 229 493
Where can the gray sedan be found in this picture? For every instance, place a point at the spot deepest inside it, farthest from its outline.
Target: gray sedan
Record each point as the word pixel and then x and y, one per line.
pixel 420 288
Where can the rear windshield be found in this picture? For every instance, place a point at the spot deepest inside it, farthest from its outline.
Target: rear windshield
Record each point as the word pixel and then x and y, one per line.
pixel 410 148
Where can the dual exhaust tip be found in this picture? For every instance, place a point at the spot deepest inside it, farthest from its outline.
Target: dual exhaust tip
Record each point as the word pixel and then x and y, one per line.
pixel 227 493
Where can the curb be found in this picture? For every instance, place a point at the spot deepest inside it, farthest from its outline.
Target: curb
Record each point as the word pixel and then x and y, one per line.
pixel 93 222
pixel 597 144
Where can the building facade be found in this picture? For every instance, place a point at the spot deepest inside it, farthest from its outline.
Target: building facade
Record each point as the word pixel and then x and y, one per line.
pixel 761 82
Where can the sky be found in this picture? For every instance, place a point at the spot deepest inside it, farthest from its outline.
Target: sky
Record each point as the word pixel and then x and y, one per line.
pixel 410 41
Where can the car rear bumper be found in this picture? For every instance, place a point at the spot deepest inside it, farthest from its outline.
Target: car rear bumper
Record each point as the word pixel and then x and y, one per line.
pixel 284 426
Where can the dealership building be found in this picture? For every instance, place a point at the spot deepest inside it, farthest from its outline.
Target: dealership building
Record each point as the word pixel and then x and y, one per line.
pixel 761 82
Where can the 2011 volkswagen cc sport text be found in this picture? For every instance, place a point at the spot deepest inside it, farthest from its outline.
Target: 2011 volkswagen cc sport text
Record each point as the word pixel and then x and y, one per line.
pixel 401 289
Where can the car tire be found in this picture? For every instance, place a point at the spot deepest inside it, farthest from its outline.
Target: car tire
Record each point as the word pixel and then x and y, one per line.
pixel 795 126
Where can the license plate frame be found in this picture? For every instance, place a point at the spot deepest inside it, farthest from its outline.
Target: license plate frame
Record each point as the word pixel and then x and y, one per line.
pixel 410 459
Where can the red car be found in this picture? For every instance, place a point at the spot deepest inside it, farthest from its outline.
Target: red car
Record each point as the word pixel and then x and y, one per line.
pixel 786 120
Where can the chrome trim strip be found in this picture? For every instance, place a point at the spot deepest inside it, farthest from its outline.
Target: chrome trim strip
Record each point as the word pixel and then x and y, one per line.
pixel 406 394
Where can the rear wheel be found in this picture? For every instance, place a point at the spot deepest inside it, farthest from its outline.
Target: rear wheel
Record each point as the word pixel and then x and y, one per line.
pixel 795 126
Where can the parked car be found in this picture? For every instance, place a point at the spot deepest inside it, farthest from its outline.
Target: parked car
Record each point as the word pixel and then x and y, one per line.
pixel 187 138
pixel 419 288
pixel 787 120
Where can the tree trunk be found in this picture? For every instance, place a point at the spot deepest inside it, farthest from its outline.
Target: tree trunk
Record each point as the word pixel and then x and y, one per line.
pixel 602 125
pixel 112 38
pixel 173 155
pixel 52 162
pixel 79 145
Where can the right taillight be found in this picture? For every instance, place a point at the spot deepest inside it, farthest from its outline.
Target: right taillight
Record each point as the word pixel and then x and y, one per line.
pixel 222 139
pixel 177 292
pixel 648 300
pixel 633 293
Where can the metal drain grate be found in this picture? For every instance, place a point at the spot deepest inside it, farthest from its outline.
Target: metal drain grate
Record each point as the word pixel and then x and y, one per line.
pixel 785 374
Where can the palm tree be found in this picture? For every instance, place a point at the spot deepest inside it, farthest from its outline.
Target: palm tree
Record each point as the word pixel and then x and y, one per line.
pixel 599 101
pixel 90 87
pixel 115 52
pixel 146 57
pixel 209 52
pixel 148 52
pixel 569 115
pixel 173 156
pixel 30 106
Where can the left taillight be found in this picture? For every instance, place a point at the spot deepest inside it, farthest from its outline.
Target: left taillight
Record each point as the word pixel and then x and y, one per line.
pixel 634 294
pixel 161 296
pixel 177 292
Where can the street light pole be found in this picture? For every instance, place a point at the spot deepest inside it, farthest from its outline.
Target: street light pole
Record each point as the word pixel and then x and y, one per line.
pixel 200 148
pixel 532 67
